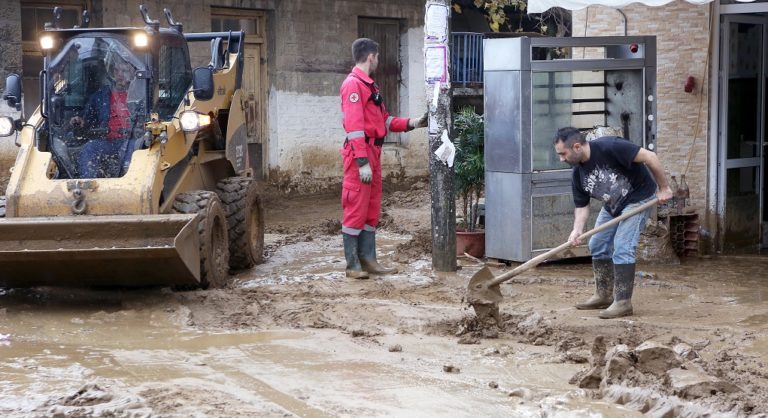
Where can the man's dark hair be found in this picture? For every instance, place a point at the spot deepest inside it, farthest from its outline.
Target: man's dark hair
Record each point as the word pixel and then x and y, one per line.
pixel 363 47
pixel 569 136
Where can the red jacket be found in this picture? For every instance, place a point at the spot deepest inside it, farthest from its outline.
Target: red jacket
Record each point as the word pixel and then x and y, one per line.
pixel 362 117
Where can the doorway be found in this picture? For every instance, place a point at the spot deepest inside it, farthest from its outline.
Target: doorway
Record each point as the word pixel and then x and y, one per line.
pixel 742 139
pixel 387 33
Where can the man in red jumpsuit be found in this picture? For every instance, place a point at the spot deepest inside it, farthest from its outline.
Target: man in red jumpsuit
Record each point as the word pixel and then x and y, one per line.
pixel 366 122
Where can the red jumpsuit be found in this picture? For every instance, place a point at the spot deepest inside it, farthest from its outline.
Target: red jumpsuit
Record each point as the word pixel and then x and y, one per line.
pixel 364 122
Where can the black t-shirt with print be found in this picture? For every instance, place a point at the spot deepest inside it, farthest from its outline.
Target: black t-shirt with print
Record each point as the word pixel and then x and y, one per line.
pixel 612 176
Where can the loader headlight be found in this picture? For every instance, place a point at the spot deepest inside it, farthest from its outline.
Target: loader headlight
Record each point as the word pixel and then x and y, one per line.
pixel 140 40
pixel 6 126
pixel 47 42
pixel 192 121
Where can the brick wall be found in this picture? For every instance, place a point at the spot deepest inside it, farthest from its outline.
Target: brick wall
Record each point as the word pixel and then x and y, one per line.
pixel 682 39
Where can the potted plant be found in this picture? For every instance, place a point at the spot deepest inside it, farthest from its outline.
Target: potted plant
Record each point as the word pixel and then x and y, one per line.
pixel 469 179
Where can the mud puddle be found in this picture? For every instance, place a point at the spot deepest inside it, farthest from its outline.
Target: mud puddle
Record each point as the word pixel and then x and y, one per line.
pixel 61 358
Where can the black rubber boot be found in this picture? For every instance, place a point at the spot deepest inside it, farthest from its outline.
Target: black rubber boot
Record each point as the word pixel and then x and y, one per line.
pixel 603 296
pixel 622 292
pixel 368 254
pixel 354 269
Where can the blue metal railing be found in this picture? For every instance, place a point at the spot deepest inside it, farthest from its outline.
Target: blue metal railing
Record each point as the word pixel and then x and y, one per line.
pixel 466 58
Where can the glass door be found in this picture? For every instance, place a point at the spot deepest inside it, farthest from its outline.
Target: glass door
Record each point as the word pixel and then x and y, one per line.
pixel 742 130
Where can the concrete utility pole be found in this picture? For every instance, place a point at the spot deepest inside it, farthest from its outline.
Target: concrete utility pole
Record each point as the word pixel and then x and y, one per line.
pixel 437 78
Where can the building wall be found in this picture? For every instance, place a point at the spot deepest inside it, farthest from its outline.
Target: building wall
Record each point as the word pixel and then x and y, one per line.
pixel 682 39
pixel 309 56
pixel 10 62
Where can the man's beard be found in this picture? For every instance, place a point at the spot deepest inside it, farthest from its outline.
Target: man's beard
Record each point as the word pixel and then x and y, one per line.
pixel 572 163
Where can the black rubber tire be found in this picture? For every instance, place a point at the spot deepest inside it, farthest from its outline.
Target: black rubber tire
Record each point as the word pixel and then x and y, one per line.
pixel 2 206
pixel 212 230
pixel 245 217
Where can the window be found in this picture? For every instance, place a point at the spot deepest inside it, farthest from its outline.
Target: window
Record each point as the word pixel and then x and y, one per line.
pixel 174 78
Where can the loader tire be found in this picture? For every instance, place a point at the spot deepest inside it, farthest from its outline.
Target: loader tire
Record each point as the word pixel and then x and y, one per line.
pixel 2 206
pixel 245 217
pixel 212 230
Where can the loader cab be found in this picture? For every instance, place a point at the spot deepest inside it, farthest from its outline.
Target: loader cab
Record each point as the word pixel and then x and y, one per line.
pixel 99 90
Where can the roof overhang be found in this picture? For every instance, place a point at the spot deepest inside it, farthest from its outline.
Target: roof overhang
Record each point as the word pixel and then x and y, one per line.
pixel 541 6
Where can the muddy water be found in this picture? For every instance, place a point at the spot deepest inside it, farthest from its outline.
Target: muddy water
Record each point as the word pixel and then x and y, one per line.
pixel 139 359
pixel 140 353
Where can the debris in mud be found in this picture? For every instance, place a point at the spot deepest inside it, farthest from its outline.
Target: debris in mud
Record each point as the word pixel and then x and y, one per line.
pixel 574 357
pixel 474 327
pixel 468 339
pixel 395 348
pixel 95 400
pixel 685 351
pixel 653 378
pixel 364 333
pixel 694 384
pixel 450 368
pixel 413 198
pixel 502 351
pixel 587 379
pixel 89 394
pixel 420 244
pixel 533 326
pixel 523 393
pixel 569 343
pixel 493 385
pixel 655 358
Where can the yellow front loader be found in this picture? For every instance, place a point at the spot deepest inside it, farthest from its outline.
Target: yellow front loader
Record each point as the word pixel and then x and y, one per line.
pixel 134 169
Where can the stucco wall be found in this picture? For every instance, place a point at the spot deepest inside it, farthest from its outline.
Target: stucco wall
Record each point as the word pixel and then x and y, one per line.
pixel 682 38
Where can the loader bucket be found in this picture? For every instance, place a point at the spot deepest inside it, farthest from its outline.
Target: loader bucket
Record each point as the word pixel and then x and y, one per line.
pixel 99 250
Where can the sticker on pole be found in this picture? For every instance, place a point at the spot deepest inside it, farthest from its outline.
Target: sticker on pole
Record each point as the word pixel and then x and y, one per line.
pixel 436 64
pixel 446 151
pixel 436 26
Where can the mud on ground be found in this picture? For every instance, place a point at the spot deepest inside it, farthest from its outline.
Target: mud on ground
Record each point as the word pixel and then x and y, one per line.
pixel 294 337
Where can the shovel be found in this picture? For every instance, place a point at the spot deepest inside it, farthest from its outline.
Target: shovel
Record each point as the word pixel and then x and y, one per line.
pixel 483 292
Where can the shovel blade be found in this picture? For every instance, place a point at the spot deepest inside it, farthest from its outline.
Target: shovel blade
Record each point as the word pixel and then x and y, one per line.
pixel 479 292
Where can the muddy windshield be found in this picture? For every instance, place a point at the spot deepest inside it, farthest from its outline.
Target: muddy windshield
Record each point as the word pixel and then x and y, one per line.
pixel 97 106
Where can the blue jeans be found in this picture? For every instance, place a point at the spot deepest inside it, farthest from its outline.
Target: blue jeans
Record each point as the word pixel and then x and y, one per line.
pixel 101 158
pixel 618 243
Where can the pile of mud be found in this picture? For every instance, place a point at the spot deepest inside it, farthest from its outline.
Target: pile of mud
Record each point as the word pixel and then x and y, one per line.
pixel 669 380
pixel 419 245
pixel 325 227
pixel 414 197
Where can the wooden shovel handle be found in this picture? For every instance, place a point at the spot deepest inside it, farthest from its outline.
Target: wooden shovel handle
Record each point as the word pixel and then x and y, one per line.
pixel 544 257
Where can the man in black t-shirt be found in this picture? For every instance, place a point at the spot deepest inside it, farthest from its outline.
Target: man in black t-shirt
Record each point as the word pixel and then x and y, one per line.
pixel 616 172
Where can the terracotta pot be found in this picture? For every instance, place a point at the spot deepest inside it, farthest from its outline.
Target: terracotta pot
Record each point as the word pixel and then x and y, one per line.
pixel 472 243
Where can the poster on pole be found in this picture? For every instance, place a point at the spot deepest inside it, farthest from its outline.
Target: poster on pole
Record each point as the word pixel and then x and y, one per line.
pixel 435 63
pixel 436 26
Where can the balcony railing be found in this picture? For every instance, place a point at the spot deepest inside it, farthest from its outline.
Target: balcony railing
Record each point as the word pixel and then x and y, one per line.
pixel 467 59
